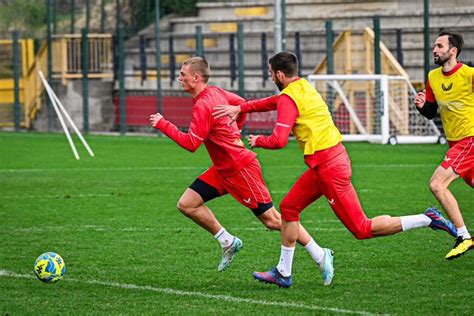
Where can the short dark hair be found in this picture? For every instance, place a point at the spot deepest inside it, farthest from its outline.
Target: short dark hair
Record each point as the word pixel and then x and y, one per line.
pixel 455 40
pixel 285 62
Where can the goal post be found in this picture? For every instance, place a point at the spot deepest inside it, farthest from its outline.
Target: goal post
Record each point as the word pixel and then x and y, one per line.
pixel 375 108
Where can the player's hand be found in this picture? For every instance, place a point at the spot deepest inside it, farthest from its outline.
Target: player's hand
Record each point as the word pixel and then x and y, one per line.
pixel 226 110
pixel 252 139
pixel 155 118
pixel 420 99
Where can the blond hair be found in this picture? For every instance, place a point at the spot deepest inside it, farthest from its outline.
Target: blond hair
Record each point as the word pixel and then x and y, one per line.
pixel 199 65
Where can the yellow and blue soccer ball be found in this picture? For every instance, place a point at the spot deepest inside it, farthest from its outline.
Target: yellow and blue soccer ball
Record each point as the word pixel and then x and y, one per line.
pixel 50 267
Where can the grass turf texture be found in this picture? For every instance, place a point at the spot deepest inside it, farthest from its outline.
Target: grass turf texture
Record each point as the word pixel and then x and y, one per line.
pixel 127 249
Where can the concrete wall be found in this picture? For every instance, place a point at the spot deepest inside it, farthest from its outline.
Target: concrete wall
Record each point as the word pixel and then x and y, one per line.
pixel 101 107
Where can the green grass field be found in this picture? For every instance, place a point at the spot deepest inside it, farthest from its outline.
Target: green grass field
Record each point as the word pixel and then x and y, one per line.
pixel 113 218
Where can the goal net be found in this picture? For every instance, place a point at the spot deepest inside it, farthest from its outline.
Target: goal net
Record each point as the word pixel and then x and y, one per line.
pixel 375 108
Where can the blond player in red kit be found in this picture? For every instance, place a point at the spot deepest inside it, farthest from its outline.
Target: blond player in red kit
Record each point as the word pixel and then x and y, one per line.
pixel 302 110
pixel 235 169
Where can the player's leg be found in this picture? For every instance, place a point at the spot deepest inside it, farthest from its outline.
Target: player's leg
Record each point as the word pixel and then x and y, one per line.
pixel 386 225
pixel 272 220
pixel 459 162
pixel 342 197
pixel 205 188
pixel 439 184
pixel 191 204
pixel 323 257
pixel 304 192
pixel 335 181
pixel 248 188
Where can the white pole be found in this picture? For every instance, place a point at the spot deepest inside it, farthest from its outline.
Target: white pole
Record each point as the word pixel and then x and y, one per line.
pixel 84 142
pixel 386 115
pixel 277 42
pixel 89 150
pixel 61 120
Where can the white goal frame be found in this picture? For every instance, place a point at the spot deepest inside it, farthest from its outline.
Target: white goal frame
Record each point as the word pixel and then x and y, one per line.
pixel 384 137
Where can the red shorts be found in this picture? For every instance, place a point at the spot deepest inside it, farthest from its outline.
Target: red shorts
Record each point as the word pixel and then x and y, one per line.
pixel 333 180
pixel 246 186
pixel 460 157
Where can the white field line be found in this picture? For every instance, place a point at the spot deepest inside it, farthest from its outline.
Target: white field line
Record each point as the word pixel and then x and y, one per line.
pixel 217 297
pixel 385 166
pixel 91 195
pixel 100 195
pixel 100 169
pixel 144 229
pixel 57 196
pixel 285 192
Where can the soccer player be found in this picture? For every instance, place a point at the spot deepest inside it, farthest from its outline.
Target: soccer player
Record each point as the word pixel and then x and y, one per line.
pixel 301 109
pixel 451 89
pixel 235 168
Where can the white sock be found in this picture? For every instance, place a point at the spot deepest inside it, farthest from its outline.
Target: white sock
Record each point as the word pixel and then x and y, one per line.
pixel 286 260
pixel 224 237
pixel 315 250
pixel 462 231
pixel 415 221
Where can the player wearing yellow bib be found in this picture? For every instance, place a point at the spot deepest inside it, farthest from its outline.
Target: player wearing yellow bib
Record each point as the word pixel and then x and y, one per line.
pixel 302 110
pixel 450 88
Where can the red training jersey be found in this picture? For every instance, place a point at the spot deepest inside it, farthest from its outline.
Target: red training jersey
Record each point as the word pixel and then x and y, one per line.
pixel 223 141
pixel 287 113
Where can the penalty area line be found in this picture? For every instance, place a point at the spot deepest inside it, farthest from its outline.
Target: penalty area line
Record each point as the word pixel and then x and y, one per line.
pixel 218 297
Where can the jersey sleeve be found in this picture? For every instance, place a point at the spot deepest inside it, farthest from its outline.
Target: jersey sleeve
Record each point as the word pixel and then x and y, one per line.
pixel 260 105
pixel 233 98
pixel 429 93
pixel 286 118
pixel 199 128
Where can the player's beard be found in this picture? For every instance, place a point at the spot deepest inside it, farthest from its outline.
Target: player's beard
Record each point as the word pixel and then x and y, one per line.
pixel 441 59
pixel 279 84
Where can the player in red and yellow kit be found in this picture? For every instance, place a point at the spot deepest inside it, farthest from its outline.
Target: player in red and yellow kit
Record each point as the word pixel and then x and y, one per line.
pixel 235 169
pixel 451 89
pixel 302 110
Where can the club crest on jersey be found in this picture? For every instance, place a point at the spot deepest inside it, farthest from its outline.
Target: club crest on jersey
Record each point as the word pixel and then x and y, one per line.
pixel 446 88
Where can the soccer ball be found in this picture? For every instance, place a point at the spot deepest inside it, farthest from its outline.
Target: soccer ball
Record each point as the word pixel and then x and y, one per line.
pixel 50 267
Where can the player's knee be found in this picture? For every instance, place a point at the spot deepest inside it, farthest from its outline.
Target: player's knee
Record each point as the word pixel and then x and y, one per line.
pixel 273 224
pixel 288 212
pixel 360 235
pixel 363 231
pixel 436 187
pixel 271 219
pixel 185 208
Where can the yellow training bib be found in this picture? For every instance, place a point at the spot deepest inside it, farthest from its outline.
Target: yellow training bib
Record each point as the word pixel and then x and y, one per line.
pixel 314 128
pixel 455 98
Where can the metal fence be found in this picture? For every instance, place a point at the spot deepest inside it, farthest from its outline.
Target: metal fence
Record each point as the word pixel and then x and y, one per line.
pixel 137 64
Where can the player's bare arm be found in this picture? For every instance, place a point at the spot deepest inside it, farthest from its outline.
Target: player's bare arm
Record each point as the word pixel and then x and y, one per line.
pixel 155 118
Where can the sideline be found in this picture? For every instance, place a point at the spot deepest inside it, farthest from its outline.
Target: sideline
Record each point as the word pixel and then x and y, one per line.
pixel 168 291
